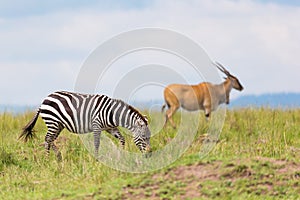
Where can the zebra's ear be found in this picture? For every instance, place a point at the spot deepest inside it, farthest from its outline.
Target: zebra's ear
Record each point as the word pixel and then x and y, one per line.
pixel 146 118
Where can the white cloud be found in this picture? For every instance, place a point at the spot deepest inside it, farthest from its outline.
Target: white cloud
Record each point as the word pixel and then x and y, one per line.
pixel 27 83
pixel 258 42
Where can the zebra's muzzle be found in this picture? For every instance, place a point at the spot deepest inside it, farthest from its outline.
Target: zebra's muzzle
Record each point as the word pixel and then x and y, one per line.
pixel 148 149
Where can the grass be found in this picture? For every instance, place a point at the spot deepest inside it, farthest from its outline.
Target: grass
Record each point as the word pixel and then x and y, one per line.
pixel 256 157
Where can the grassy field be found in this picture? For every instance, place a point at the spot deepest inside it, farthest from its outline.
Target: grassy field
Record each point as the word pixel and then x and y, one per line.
pixel 257 156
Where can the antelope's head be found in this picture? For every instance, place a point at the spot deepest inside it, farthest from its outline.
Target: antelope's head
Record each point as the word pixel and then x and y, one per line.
pixel 234 80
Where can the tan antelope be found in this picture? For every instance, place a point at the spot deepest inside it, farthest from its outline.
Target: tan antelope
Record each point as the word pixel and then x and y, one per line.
pixel 204 96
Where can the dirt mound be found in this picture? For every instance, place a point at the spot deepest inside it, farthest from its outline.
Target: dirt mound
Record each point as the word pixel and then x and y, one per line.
pixel 254 177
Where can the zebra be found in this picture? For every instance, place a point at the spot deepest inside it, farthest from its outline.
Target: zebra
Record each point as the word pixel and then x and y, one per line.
pixel 85 113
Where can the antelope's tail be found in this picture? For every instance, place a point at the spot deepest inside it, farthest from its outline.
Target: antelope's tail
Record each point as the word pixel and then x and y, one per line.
pixel 163 107
pixel 28 132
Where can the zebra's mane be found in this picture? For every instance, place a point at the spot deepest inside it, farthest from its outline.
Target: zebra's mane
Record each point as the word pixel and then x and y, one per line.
pixel 134 110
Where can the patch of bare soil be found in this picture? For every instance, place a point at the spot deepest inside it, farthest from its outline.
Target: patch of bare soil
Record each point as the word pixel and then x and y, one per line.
pixel 260 176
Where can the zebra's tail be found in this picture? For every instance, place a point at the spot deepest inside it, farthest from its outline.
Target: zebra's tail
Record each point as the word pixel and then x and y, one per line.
pixel 28 132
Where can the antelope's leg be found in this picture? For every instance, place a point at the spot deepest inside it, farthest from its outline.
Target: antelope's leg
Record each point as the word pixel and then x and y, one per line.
pixel 166 120
pixel 167 117
pixel 207 111
pixel 169 113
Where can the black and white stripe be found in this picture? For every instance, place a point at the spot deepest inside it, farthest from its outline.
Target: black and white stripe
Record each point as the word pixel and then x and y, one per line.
pixel 84 113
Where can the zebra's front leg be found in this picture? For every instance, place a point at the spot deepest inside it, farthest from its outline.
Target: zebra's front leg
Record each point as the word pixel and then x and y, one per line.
pixel 97 143
pixel 116 133
pixel 122 140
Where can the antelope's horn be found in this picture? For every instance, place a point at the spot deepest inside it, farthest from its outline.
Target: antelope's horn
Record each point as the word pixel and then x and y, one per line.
pixel 222 69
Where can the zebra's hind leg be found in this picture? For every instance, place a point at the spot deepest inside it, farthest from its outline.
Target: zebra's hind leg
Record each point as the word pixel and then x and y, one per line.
pixel 116 133
pixel 49 139
pixel 53 132
pixel 57 152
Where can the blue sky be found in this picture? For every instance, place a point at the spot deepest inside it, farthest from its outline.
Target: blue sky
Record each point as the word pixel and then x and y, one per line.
pixel 282 2
pixel 19 8
pixel 45 43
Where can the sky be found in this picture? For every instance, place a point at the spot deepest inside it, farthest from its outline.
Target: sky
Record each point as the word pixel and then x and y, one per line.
pixel 43 44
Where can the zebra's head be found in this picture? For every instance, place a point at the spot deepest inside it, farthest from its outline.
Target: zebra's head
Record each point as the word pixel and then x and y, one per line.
pixel 142 134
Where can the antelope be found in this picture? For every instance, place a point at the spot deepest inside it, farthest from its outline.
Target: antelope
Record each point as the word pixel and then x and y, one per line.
pixel 204 96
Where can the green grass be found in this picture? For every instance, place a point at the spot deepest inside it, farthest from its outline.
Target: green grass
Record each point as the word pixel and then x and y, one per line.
pixel 257 157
